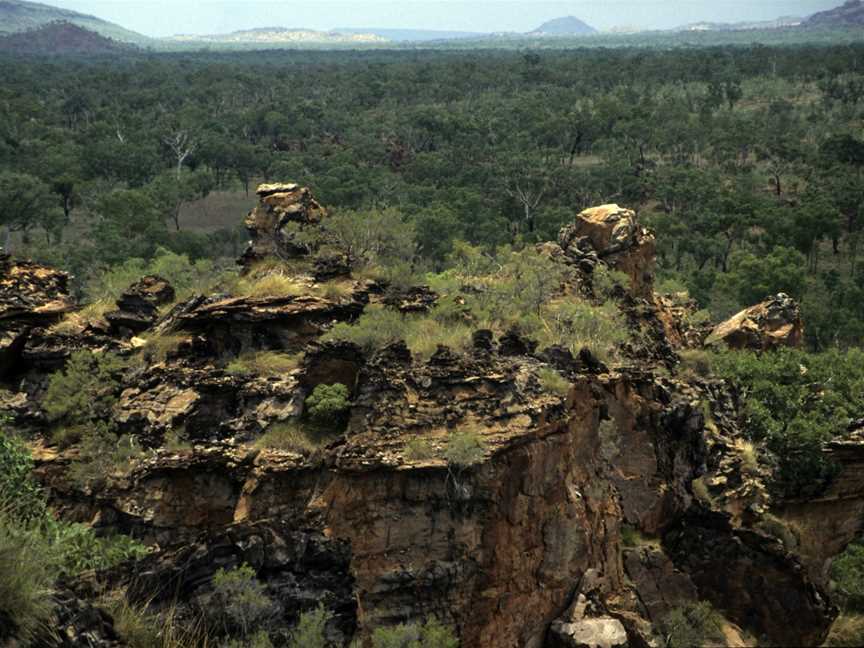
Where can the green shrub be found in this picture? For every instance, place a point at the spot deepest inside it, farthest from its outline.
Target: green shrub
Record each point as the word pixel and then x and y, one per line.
pixel 240 606
pixel 373 330
pixel 794 402
pixel 258 640
pixel 311 630
pixel 328 405
pixel 76 548
pixel 694 624
pixel 604 281
pixel 465 449
pixel 18 491
pixel 85 391
pixel 161 346
pixel 553 382
pixel 847 575
pixel 432 634
pixel 576 324
pixel 101 453
pixel 419 449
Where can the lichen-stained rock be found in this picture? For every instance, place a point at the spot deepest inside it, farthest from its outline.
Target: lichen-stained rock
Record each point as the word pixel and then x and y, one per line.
pixel 268 223
pixel 579 629
pixel 138 306
pixel 613 235
pixel 774 323
pixel 31 296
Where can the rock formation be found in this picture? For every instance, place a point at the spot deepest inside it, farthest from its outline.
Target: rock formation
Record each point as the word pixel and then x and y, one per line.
pixel 271 225
pixel 543 522
pixel 613 235
pixel 774 323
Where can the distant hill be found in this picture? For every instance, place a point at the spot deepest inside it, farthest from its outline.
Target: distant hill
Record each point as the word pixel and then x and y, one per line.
pixel 60 38
pixel 568 26
pixel 280 36
pixel 411 35
pixel 849 14
pixel 778 23
pixel 19 16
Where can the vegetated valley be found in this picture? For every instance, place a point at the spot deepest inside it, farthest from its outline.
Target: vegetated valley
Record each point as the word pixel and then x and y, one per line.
pixel 446 348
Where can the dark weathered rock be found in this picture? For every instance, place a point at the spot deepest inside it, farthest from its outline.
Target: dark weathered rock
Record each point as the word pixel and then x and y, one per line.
pixel 281 207
pixel 138 307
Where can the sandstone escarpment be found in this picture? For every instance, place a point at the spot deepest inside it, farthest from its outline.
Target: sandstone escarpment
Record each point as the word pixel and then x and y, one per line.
pixel 590 512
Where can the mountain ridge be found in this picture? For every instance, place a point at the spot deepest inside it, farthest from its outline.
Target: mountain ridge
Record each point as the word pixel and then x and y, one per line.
pixel 18 16
pixel 60 38
pixel 849 13
pixel 564 26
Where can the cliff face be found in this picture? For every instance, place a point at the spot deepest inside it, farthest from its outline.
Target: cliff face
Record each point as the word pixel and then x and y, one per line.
pixel 590 515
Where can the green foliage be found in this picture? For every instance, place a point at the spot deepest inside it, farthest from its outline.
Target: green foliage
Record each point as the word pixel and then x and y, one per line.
pixel 465 448
pixel 328 405
pixel 19 494
pixel 311 630
pixel 240 606
pixel 694 624
pixel 379 238
pixel 419 449
pixel 553 382
pixel 141 628
pixel 794 402
pixel 431 634
pixel 26 578
pixel 847 576
pixel 85 391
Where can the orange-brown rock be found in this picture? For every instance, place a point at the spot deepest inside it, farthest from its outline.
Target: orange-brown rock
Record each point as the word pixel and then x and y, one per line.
pixel 774 323
pixel 614 235
pixel 281 208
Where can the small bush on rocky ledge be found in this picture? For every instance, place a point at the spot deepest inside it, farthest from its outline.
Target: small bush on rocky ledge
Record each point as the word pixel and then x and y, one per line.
pixel 431 634
pixel 268 285
pixel 465 449
pixel 140 628
pixel 694 624
pixel 328 405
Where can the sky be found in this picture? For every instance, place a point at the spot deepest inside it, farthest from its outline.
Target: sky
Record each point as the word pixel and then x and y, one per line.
pixel 167 17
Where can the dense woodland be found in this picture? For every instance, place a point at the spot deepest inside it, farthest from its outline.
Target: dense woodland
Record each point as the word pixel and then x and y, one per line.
pixel 746 161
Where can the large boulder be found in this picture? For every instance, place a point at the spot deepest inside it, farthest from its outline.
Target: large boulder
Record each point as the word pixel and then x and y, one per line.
pixel 272 224
pixel 774 323
pixel 612 234
pixel 579 629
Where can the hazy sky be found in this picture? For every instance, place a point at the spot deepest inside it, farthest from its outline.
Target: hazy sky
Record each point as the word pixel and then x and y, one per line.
pixel 166 17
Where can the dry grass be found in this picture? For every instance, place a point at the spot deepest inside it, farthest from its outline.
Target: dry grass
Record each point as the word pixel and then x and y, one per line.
pixel 700 490
pixel 696 363
pixel 75 322
pixel 269 285
pixel 419 449
pixel 848 630
pixel 424 335
pixel 159 347
pixel 749 456
pixel 140 628
pixel 264 363
pixel 336 291
pixel 291 436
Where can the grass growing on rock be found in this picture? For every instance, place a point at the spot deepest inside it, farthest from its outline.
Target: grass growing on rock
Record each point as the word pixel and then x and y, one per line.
pixel 264 363
pixel 419 449
pixel 292 436
pixel 553 382
pixel 268 285
pixel 465 448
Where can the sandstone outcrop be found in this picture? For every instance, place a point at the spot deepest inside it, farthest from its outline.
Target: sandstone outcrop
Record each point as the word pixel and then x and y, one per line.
pixel 774 323
pixel 281 208
pixel 379 523
pixel 613 234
